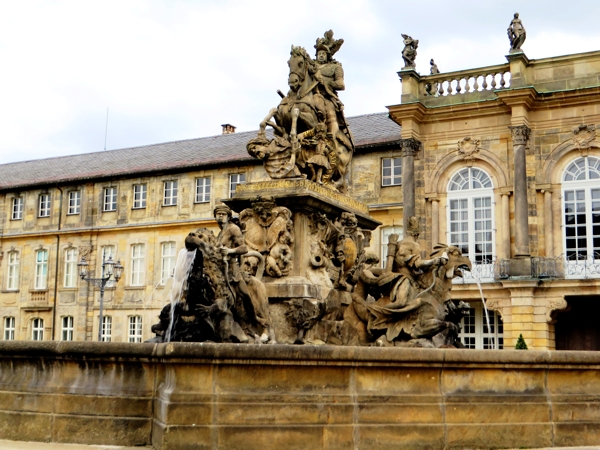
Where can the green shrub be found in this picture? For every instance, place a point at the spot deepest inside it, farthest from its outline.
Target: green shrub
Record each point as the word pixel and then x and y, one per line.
pixel 521 344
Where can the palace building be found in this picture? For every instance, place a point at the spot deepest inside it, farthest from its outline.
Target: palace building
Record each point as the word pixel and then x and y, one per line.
pixel 502 162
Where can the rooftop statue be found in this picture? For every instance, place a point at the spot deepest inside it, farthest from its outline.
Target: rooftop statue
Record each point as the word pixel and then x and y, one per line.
pixel 311 136
pixel 409 54
pixel 516 34
pixel 434 68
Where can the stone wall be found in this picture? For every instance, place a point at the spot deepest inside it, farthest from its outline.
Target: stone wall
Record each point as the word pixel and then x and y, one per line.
pixel 205 396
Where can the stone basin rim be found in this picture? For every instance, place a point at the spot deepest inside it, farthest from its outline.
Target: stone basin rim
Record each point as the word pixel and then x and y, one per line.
pixel 295 354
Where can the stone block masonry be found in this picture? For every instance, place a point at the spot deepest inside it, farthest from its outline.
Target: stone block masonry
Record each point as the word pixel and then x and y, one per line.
pixel 206 396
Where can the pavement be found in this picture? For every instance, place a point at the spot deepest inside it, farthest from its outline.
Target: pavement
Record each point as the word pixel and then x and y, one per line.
pixel 23 445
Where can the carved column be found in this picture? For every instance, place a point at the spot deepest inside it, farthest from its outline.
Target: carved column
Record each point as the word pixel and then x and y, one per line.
pixel 505 227
pixel 410 147
pixel 520 135
pixel 549 224
pixel 435 222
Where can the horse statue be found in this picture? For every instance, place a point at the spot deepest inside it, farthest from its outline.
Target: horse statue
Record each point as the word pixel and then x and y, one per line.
pixel 311 101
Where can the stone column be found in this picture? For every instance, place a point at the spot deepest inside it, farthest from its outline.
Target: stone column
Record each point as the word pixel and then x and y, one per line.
pixel 520 264
pixel 410 147
pixel 520 135
pixel 435 222
pixel 549 224
pixel 505 227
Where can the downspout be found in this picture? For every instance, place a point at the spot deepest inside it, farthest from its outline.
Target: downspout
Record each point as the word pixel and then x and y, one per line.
pixel 60 202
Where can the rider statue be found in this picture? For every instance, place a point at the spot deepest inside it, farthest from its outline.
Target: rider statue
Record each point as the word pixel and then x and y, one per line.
pixel 330 76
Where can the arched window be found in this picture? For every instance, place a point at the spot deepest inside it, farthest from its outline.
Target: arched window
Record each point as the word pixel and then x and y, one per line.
pixel 581 217
pixel 471 218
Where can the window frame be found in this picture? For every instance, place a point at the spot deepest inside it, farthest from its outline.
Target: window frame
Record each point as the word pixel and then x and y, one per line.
pixel 469 196
pixel 109 199
pixel 170 192
pixel 70 267
pixel 74 203
pixel 240 179
pixel 67 328
pixel 135 329
pixel 41 270
pixel 13 269
pixel 37 329
pixel 106 329
pixel 9 328
pixel 138 271
pixel 589 186
pixel 140 196
pixel 17 208
pixel 44 205
pixel 478 335
pixel 394 179
pixel 202 196
pixel 166 270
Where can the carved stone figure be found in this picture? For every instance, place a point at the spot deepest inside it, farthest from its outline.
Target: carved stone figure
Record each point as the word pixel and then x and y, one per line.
pixel 409 53
pixel 409 302
pixel 219 294
pixel 434 68
pixel 312 138
pixel 268 229
pixel 516 34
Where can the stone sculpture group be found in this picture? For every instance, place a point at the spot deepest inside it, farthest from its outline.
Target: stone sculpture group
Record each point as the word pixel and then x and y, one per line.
pixel 224 293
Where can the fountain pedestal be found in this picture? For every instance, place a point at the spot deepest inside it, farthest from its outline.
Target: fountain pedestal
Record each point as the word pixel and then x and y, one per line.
pixel 303 198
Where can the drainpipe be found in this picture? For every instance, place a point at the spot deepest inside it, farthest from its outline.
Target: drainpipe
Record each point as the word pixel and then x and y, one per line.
pixel 60 202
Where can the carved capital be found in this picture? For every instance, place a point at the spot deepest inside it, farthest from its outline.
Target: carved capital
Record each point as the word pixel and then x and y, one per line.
pixel 554 304
pixel 520 134
pixel 468 147
pixel 583 135
pixel 410 146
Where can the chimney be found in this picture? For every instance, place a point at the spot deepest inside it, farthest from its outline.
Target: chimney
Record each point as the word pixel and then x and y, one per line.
pixel 228 128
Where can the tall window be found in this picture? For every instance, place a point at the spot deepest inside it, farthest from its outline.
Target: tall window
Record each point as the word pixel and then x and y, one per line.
pixel 167 261
pixel 74 202
pixel 135 329
pixel 475 332
pixel 41 269
pixel 108 251
pixel 581 218
pixel 9 328
pixel 391 171
pixel 170 197
pixel 203 190
pixel 67 328
pixel 110 199
pixel 44 206
pixel 106 334
pixel 385 235
pixel 12 279
pixel 37 329
pixel 17 208
pixel 470 219
pixel 71 267
pixel 138 256
pixel 234 180
pixel 140 192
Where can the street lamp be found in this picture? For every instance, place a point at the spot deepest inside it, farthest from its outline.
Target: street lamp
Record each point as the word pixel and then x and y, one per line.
pixel 109 269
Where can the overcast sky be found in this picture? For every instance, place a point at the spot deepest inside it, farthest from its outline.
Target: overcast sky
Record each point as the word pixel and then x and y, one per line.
pixel 176 69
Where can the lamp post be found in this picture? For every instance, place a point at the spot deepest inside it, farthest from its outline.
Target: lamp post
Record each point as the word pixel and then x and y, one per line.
pixel 109 269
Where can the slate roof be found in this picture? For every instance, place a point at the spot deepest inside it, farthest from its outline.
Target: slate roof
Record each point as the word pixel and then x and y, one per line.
pixel 369 130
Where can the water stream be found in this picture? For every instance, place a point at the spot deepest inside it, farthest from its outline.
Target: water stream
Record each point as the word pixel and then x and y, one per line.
pixel 183 267
pixel 487 316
